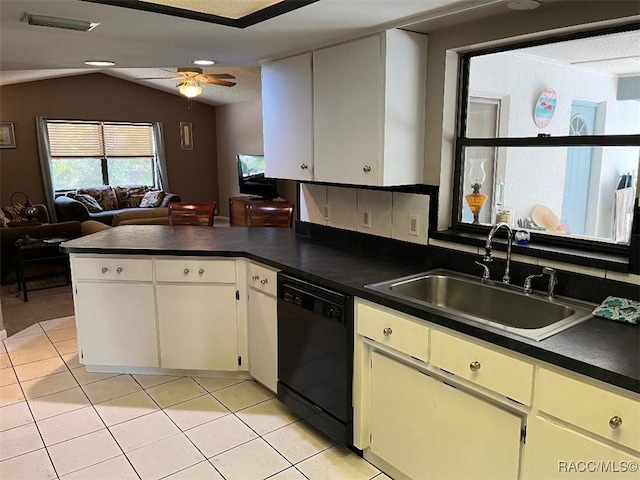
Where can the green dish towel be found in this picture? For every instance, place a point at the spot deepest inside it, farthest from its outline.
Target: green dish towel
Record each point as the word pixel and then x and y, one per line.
pixel 619 309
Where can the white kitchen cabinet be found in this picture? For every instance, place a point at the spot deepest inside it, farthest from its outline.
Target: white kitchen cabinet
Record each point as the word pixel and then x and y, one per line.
pixel 198 326
pixel 369 110
pixel 263 325
pixel 473 438
pixel 402 416
pixel 287 118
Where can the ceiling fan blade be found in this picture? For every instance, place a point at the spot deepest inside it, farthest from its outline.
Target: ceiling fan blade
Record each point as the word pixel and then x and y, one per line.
pixel 161 78
pixel 222 83
pixel 214 77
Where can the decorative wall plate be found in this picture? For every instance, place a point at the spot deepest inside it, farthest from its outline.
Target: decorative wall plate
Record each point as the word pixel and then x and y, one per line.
pixel 545 108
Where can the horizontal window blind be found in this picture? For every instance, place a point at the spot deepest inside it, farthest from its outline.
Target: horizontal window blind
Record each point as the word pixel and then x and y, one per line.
pixel 128 140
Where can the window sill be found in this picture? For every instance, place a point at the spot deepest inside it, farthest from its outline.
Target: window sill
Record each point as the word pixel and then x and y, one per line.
pixel 576 256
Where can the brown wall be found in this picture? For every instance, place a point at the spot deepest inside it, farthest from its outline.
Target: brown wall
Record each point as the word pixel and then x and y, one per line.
pixel 192 174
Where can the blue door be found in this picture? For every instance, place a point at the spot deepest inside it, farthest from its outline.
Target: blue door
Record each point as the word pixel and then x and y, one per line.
pixel 575 199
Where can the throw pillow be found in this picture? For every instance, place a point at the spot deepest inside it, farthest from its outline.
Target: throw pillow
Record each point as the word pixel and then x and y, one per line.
pixel 152 199
pixel 13 213
pixel 88 201
pixel 106 196
pixel 4 222
pixel 130 196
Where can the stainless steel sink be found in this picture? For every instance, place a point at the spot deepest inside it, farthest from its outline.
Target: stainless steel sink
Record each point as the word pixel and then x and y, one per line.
pixel 462 296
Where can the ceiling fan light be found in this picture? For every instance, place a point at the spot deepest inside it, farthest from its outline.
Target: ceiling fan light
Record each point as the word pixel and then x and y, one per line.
pixel 190 90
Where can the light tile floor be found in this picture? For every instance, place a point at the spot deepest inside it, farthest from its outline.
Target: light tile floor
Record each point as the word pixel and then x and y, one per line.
pixel 59 421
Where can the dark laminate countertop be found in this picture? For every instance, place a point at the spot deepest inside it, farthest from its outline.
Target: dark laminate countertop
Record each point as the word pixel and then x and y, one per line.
pixel 601 349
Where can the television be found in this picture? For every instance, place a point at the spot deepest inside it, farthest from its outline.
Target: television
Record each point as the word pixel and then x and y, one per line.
pixel 251 177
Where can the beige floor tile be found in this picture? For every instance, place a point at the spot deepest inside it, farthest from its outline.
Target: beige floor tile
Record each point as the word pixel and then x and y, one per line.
pixel 126 408
pixel 298 441
pixel 71 359
pixel 148 381
pixel 337 462
pixel 5 362
pixel 255 459
pixel 215 437
pixel 66 346
pixel 14 415
pixel 57 382
pixel 110 388
pixel 201 471
pixel 58 403
pixel 19 357
pixel 144 430
pixel 30 466
pixel 114 468
pixel 213 384
pixel 70 425
pixel 165 457
pixel 3 349
pixel 10 394
pixel 381 476
pixel 8 377
pixel 83 377
pixel 41 368
pixel 195 412
pixel 58 323
pixel 289 474
pixel 83 452
pixel 19 440
pixel 242 395
pixel 60 334
pixel 38 340
pixel 176 391
pixel 34 329
pixel 267 416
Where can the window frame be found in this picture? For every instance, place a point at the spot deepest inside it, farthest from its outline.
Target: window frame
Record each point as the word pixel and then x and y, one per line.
pixel 461 142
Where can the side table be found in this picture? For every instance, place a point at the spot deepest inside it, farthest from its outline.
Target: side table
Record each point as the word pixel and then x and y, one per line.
pixel 38 251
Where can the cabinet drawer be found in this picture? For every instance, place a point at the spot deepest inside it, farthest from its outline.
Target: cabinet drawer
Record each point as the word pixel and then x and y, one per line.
pixel 404 335
pixel 194 270
pixel 262 278
pixel 501 373
pixel 110 268
pixel 589 407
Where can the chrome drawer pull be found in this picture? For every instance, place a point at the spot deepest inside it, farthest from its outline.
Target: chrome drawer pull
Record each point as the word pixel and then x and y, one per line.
pixel 304 166
pixel 387 331
pixel 119 269
pixel 264 281
pixel 474 366
pixel 615 422
pixel 366 169
pixel 201 271
pixel 186 271
pixel 105 269
pixel 255 277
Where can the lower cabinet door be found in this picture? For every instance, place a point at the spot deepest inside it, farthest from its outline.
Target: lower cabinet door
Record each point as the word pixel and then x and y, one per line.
pixel 402 416
pixel 198 327
pixel 117 324
pixel 263 338
pixel 557 452
pixel 475 439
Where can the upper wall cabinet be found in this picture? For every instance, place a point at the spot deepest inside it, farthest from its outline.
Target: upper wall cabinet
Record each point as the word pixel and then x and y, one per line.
pixel 369 110
pixel 351 113
pixel 287 118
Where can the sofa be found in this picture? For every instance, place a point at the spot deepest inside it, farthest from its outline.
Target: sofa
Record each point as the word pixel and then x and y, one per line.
pixel 104 202
pixel 39 227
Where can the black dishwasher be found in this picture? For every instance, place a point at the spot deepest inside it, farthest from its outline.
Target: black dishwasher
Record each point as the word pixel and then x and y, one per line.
pixel 315 355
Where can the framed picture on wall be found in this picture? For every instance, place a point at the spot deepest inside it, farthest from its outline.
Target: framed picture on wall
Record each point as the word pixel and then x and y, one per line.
pixel 186 136
pixel 7 135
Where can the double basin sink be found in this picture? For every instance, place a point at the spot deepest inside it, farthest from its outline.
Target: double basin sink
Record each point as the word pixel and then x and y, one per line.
pixel 460 296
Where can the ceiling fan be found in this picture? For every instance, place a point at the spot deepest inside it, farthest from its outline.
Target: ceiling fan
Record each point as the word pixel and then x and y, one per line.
pixel 190 78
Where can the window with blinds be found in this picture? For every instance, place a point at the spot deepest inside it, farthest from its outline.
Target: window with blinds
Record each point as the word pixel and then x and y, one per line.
pixel 101 153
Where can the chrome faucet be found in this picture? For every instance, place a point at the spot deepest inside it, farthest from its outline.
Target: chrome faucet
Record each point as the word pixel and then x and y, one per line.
pixel 553 281
pixel 487 249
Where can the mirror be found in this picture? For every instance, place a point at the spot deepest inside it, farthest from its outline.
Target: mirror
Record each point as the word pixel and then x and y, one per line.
pixel 588 87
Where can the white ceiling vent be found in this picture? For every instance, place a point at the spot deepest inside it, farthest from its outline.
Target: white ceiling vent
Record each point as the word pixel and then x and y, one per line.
pixel 55 22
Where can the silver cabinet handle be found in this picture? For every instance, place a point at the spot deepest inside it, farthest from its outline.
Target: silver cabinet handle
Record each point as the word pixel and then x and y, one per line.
pixel 304 166
pixel 105 269
pixel 387 331
pixel 615 422
pixel 186 271
pixel 201 271
pixel 366 169
pixel 474 366
pixel 255 278
pixel 264 281
pixel 119 269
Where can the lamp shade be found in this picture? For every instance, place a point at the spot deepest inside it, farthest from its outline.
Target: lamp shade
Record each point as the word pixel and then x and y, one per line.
pixel 190 90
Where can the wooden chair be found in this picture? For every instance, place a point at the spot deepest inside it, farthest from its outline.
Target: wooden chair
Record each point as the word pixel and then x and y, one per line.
pixel 200 214
pixel 270 214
